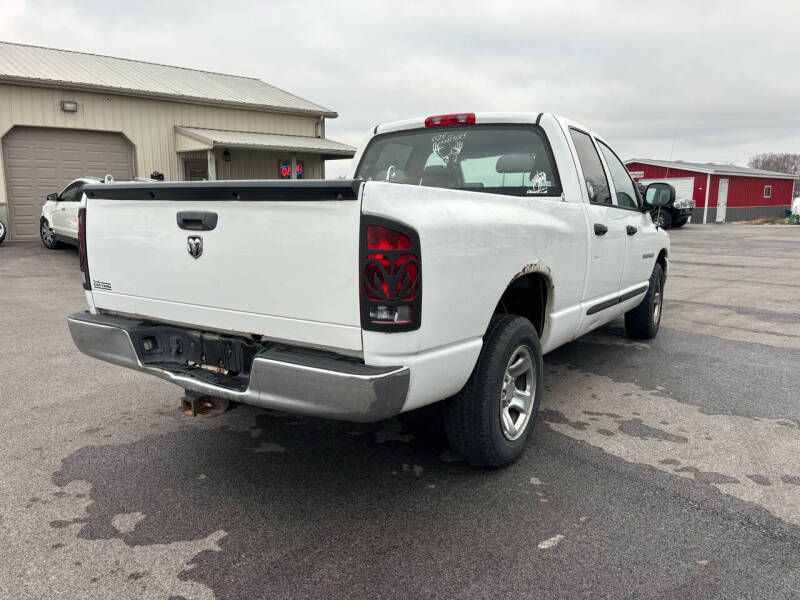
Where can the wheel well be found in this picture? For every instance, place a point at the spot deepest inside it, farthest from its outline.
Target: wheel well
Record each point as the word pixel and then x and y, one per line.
pixel 662 259
pixel 527 297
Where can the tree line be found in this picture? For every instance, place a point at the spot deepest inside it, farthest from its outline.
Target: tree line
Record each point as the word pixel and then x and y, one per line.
pixel 782 162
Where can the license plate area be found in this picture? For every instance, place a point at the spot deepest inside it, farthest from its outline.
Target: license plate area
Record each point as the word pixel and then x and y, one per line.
pixel 225 355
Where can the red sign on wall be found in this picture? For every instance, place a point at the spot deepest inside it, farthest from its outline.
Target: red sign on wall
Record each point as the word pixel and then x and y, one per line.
pixel 285 169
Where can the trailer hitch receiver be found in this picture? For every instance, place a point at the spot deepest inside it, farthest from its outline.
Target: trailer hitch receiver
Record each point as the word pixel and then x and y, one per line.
pixel 193 404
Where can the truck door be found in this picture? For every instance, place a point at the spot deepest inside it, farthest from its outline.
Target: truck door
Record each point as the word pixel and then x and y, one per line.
pixel 640 233
pixel 606 232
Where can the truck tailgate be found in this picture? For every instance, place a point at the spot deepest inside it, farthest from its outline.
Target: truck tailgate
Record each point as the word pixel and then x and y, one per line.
pixel 281 261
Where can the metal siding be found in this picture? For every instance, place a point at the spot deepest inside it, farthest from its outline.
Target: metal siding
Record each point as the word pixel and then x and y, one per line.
pixel 261 164
pixel 247 164
pixel 742 191
pixel 148 124
pixel 713 190
pixel 312 164
pixel 713 168
pixel 749 191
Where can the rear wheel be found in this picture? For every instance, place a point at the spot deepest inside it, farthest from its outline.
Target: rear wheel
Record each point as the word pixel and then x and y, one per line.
pixel 643 321
pixel 490 421
pixel 2 232
pixel 662 218
pixel 47 235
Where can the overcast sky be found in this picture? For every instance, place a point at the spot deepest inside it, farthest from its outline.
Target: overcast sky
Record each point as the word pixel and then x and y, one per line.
pixel 699 81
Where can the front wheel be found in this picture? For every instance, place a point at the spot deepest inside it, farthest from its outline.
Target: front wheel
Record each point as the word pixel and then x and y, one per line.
pixel 643 321
pixel 2 231
pixel 47 235
pixel 490 421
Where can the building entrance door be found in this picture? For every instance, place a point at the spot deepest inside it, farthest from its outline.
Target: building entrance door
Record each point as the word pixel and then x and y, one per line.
pixel 722 200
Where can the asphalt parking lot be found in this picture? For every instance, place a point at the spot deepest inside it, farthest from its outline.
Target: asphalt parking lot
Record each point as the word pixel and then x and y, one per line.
pixel 666 469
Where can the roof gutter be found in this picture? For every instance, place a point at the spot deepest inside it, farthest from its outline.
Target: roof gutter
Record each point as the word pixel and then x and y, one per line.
pixel 99 89
pixel 299 150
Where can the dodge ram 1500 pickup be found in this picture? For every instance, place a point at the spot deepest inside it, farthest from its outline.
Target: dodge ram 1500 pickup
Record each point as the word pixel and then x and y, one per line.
pixel 459 250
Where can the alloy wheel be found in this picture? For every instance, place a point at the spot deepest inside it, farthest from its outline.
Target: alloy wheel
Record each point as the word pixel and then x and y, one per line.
pixel 518 393
pixel 657 301
pixel 46 233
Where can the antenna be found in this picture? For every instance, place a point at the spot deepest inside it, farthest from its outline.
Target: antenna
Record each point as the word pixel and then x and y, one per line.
pixel 672 149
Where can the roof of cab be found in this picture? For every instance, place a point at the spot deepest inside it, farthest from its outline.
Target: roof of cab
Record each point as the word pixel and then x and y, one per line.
pixel 480 118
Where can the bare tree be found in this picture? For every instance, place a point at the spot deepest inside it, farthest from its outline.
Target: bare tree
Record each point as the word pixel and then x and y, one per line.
pixel 782 162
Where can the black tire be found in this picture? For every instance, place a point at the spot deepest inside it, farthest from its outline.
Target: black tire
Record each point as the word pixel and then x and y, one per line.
pixel 3 231
pixel 679 224
pixel 662 219
pixel 643 321
pixel 472 418
pixel 50 241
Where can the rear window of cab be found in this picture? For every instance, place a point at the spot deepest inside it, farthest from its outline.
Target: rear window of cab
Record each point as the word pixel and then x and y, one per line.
pixel 514 160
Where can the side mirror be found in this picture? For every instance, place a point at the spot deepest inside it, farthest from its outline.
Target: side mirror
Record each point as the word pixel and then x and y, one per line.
pixel 658 194
pixel 52 197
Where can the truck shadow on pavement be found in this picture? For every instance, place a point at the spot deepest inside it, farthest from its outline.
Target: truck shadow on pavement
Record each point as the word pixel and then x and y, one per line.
pixel 285 492
pixel 308 507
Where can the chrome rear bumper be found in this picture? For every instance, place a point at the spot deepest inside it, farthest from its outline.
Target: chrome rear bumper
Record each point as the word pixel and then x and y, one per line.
pixel 278 379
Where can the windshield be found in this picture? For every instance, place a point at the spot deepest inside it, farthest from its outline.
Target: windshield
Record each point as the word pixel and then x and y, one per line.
pixel 501 159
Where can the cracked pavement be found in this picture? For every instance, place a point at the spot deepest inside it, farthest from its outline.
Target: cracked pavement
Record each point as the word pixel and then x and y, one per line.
pixel 661 469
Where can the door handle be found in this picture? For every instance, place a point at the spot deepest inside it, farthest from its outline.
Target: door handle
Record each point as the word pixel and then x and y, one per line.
pixel 600 229
pixel 197 220
pixel 631 229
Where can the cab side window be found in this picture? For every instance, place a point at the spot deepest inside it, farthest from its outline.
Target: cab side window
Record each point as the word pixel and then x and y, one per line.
pixel 593 172
pixel 72 193
pixel 626 192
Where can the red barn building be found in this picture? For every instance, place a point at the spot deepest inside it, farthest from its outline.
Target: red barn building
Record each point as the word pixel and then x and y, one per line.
pixel 721 192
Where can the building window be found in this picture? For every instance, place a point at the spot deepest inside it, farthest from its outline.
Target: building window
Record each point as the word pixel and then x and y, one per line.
pixel 767 191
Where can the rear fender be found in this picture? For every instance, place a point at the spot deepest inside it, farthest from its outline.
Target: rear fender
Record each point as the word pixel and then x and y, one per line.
pixel 473 246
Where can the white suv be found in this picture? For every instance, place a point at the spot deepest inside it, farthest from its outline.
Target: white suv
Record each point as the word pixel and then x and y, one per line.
pixel 59 221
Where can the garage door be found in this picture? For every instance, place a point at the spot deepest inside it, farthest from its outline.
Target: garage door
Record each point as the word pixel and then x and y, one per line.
pixel 40 160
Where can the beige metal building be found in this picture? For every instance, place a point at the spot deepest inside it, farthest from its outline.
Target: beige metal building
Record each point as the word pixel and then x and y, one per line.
pixel 67 114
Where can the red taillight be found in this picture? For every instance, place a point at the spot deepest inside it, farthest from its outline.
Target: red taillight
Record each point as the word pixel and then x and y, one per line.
pixel 82 258
pixel 450 120
pixel 390 277
pixel 381 238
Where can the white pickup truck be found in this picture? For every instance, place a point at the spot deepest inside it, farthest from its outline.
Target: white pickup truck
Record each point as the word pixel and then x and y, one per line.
pixel 458 251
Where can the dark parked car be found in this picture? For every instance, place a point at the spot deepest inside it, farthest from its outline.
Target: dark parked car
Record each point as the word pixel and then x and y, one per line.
pixel 675 213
